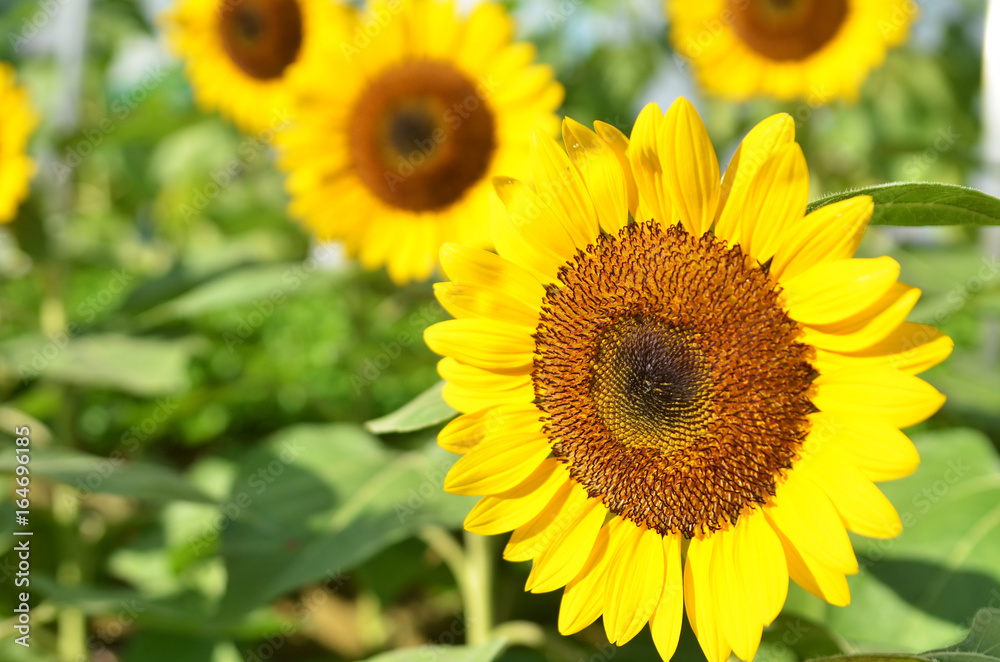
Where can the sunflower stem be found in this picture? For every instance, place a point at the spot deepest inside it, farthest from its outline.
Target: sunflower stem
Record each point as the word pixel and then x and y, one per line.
pixel 479 581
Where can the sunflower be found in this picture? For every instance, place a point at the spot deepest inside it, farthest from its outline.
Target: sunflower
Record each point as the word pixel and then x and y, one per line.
pixel 242 54
pixel 398 155
pixel 786 49
pixel 17 123
pixel 677 391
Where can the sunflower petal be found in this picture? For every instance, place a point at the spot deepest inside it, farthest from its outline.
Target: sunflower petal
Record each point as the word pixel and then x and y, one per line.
pixel 766 571
pixel 912 348
pixel 834 291
pixel 618 143
pixel 517 506
pixel 894 396
pixel 500 462
pixel 566 555
pixel 530 540
pixel 877 448
pixel 776 201
pixel 698 602
pixel 476 302
pixel 665 623
pixel 689 167
pixel 561 190
pixel 757 147
pixel 830 233
pixel 583 600
pixel 635 583
pixel 486 344
pixel 474 266
pixel 601 172
pixel 469 389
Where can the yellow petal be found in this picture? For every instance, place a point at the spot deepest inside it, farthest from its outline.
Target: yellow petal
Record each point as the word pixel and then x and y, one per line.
pixel 766 571
pixel 834 291
pixel 487 344
pixel 500 462
pixel 519 505
pixel 635 583
pixel 527 233
pixel 757 147
pixel 689 167
pixel 867 328
pixel 564 557
pixel 665 623
pixel 804 514
pixel 475 302
pixel 862 506
pixel 474 266
pixel 583 599
pixel 830 233
pixel 561 190
pixel 646 167
pixel 618 143
pixel 530 540
pixel 775 202
pixel 698 603
pixel 877 448
pixel 601 172
pixel 820 580
pixel 739 610
pixel 469 389
pixel 911 348
pixel 896 397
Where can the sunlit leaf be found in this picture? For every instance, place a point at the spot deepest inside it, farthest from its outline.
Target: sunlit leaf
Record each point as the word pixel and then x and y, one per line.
pixel 427 409
pixel 924 203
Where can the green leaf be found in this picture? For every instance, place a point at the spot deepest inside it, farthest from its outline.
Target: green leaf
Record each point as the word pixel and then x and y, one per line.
pixel 425 410
pixel 145 367
pixel 110 475
pixel 920 590
pixel 923 203
pixel 981 645
pixel 485 652
pixel 315 501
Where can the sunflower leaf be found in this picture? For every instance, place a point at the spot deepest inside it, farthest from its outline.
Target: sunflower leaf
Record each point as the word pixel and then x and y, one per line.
pixel 423 411
pixel 923 203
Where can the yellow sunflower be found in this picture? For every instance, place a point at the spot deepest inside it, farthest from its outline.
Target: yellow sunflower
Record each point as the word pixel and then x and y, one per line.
pixel 786 49
pixel 677 390
pixel 241 55
pixel 17 121
pixel 398 155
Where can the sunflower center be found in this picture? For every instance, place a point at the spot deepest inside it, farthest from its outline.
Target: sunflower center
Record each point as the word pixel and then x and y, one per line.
pixel 262 37
pixel 649 383
pixel 422 134
pixel 787 29
pixel 670 378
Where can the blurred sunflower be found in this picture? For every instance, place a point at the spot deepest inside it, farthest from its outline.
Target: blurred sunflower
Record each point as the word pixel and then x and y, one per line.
pixel 684 409
pixel 397 156
pixel 786 49
pixel 241 54
pixel 17 122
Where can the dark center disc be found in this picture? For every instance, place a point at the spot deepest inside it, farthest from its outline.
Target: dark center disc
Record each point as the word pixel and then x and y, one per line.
pixel 422 134
pixel 787 29
pixel 262 37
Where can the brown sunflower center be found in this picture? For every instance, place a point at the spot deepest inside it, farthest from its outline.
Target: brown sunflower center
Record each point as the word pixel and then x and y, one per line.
pixel 421 135
pixel 787 29
pixel 670 378
pixel 262 37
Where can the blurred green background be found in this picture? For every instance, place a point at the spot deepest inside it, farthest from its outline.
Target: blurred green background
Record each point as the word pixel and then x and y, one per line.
pixel 196 373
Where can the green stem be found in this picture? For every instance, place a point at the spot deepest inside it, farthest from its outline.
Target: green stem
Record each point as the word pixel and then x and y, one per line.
pixel 479 601
pixel 473 571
